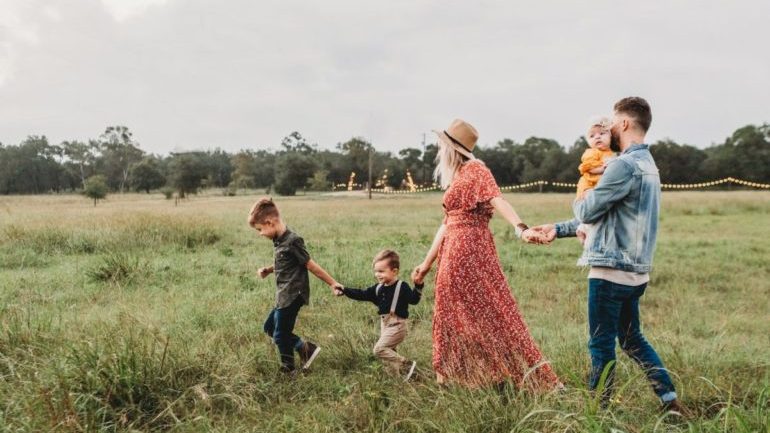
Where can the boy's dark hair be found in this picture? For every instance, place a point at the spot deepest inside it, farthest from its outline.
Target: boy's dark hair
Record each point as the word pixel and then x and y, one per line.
pixel 394 262
pixel 637 108
pixel 263 209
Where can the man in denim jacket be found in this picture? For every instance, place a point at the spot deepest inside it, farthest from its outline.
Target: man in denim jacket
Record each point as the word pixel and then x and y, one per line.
pixel 624 206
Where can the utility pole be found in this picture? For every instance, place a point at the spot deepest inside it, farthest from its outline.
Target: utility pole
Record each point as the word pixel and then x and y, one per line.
pixel 423 158
pixel 370 172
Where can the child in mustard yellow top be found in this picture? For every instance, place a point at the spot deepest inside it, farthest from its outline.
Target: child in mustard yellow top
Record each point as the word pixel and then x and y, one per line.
pixel 596 157
pixel 592 165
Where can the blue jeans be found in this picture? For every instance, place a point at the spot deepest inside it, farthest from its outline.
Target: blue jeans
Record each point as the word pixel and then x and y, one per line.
pixel 280 326
pixel 613 312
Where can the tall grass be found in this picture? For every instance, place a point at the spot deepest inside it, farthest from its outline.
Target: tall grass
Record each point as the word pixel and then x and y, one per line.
pixel 138 315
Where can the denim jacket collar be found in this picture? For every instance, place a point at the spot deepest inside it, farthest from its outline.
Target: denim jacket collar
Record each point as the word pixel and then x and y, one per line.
pixel 635 147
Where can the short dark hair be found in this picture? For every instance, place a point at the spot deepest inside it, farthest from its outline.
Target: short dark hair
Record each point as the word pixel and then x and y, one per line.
pixel 394 262
pixel 637 108
pixel 262 210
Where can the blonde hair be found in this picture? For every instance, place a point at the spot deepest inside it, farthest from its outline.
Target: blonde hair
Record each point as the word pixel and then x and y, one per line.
pixel 448 161
pixel 263 209
pixel 603 122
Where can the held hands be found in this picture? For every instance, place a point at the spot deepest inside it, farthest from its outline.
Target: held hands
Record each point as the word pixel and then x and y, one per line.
pixel 264 272
pixel 542 234
pixel 532 236
pixel 337 289
pixel 419 273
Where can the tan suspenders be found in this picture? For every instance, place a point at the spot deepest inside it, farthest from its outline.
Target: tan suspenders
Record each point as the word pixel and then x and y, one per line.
pixel 395 295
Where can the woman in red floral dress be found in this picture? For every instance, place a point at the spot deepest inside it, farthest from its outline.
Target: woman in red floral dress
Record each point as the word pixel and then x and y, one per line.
pixel 479 335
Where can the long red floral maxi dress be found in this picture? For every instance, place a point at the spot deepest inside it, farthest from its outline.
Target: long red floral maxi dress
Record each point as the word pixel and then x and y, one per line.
pixel 479 335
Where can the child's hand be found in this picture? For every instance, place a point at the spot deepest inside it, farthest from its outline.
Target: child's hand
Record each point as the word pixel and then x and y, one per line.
pixel 337 289
pixel 583 194
pixel 264 272
pixel 419 273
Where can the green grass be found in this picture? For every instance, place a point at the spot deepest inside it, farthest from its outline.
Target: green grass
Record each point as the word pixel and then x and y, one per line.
pixel 138 314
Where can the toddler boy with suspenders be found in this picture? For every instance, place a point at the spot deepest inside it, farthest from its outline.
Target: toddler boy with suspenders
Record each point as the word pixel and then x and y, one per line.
pixel 392 297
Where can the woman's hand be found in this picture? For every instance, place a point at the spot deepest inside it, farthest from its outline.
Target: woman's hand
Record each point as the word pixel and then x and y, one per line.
pixel 534 236
pixel 419 273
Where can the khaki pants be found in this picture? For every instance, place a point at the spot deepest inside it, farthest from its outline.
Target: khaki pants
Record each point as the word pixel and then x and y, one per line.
pixel 392 333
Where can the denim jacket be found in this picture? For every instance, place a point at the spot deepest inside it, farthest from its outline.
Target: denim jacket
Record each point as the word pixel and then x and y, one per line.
pixel 624 207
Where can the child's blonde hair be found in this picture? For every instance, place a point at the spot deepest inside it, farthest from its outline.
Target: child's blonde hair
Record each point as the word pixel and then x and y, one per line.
pixel 263 209
pixel 394 262
pixel 602 122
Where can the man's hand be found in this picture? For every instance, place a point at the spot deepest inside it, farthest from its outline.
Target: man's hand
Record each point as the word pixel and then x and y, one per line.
pixel 534 237
pixel 264 272
pixel 581 235
pixel 546 231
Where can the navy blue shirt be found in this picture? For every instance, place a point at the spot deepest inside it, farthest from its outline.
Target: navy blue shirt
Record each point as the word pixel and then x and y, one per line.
pixel 384 297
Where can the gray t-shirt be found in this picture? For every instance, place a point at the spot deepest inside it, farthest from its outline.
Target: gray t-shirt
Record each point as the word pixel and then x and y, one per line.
pixel 290 268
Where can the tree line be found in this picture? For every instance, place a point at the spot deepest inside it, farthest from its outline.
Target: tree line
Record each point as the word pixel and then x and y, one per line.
pixel 116 162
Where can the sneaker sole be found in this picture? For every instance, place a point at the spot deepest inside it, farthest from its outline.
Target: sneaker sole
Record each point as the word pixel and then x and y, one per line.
pixel 411 371
pixel 312 358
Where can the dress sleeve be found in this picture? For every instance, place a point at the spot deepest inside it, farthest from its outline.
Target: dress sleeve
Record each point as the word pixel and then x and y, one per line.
pixel 484 185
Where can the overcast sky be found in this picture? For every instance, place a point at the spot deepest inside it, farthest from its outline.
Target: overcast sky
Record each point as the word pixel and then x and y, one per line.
pixel 196 74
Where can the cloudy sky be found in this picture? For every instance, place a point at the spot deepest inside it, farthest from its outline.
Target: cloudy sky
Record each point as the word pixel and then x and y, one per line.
pixel 200 74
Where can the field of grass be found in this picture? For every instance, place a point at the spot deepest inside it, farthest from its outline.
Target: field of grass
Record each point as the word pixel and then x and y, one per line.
pixel 140 315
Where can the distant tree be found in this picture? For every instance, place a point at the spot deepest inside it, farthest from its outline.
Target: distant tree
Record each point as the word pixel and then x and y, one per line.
pixel 429 161
pixel 118 152
pixel 750 146
pixel 745 154
pixel 96 188
pixel 320 181
pixel 187 171
pixel 219 168
pixel 81 156
pixel 501 161
pixel 677 163
pixel 411 159
pixel 541 159
pixel 31 167
pixel 295 142
pixel 356 150
pixel 253 169
pixel 292 172
pixel 396 169
pixel 146 175
pixel 336 164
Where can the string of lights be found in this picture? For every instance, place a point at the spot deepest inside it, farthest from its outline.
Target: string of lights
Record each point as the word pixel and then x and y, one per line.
pixel 541 183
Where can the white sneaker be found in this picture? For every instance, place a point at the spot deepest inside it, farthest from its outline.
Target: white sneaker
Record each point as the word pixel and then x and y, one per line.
pixel 411 371
pixel 309 354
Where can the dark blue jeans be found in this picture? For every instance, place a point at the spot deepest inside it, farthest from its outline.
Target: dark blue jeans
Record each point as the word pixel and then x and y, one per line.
pixel 613 312
pixel 280 326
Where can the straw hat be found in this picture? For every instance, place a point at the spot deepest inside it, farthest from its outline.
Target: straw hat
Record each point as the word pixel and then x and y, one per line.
pixel 461 135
